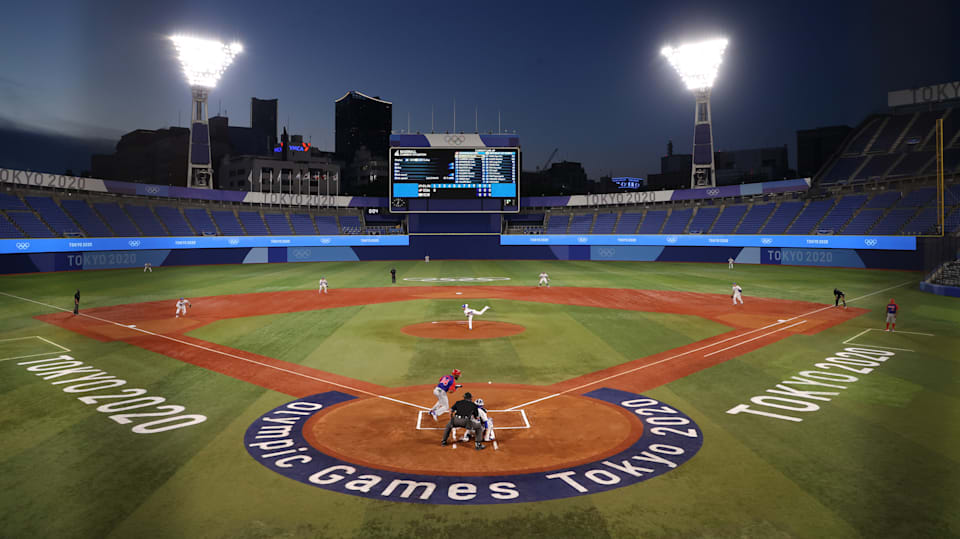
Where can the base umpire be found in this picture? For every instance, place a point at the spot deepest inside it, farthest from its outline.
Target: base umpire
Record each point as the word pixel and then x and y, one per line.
pixel 465 414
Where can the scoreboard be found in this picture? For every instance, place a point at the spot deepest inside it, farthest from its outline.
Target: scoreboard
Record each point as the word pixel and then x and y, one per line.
pixel 456 180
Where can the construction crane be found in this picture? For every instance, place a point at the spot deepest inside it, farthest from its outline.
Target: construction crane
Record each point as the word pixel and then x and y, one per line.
pixel 549 159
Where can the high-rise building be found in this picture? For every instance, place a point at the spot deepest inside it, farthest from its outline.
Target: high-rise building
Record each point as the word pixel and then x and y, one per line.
pixel 363 126
pixel 263 120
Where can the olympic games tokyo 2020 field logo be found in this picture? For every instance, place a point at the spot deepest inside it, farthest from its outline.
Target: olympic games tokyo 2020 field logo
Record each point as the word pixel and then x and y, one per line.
pixel 669 439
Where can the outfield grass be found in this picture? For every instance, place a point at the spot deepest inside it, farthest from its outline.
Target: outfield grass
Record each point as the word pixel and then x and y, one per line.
pixel 878 460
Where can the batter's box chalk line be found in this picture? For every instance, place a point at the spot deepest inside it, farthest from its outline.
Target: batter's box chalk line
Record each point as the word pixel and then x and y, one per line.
pixel 48 341
pixel 441 422
pixel 884 346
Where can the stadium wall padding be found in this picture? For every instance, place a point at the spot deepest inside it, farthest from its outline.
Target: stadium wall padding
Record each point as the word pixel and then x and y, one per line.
pixel 459 247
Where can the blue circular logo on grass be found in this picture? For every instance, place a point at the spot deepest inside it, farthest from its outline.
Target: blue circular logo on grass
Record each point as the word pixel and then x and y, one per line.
pixel 670 438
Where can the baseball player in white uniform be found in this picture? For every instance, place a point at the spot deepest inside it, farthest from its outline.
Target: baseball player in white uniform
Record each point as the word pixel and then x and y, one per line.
pixel 470 313
pixel 148 267
pixel 737 291
pixel 182 305
pixel 544 280
pixel 730 263
pixel 488 434
pixel 323 286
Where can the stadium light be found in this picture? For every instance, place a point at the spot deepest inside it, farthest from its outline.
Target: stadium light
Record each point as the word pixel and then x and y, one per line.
pixel 698 64
pixel 204 62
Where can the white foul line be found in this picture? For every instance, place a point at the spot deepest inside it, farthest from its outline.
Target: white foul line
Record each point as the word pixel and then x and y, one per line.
pixel 755 338
pixel 701 348
pixel 223 353
pixel 855 336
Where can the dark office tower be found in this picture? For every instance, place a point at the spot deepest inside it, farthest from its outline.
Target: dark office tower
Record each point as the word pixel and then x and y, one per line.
pixel 263 120
pixel 363 121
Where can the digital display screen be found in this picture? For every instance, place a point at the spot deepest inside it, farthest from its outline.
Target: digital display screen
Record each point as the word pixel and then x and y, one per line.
pixel 421 179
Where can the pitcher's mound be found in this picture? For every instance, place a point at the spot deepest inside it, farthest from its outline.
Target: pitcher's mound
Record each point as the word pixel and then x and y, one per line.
pixel 457 329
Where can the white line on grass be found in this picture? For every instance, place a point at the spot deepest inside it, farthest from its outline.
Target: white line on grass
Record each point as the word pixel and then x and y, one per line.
pixel 62 348
pixel 855 336
pixel 19 338
pixel 884 346
pixel 141 330
pixel 524 405
pixel 755 338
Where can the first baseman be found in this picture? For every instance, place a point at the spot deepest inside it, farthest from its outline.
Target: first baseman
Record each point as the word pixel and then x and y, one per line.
pixel 182 305
pixel 446 384
pixel 892 309
pixel 737 291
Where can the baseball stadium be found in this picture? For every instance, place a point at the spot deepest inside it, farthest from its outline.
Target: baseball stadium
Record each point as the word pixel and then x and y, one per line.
pixel 453 356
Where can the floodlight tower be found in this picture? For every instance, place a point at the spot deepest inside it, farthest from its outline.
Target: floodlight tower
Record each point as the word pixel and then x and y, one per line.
pixel 697 64
pixel 203 61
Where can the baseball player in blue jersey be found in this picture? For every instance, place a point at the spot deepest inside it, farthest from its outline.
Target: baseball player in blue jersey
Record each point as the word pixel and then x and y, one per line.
pixel 470 313
pixel 447 384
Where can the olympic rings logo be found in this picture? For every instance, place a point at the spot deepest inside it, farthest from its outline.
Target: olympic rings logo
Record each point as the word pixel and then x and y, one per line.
pixel 672 239
pixel 713 192
pixel 455 279
pixel 134 243
pixel 234 241
pixel 23 245
pixel 152 189
pixel 766 241
pixel 870 242
pixel 606 251
pixel 325 241
pixel 456 140
pixel 301 253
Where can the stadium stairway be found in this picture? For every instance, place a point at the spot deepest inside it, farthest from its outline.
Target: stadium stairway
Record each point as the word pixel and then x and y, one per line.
pixel 628 223
pixel 652 222
pixel 278 224
pixel 253 223
pixel 302 224
pixel 677 221
pixel 227 222
pixel 806 222
pixel 30 224
pixel 48 211
pixel 200 220
pixel 729 219
pixel 8 229
pixel 174 221
pixel 756 216
pixel 126 221
pixel 703 219
pixel 605 223
pixel 781 218
pixel 91 223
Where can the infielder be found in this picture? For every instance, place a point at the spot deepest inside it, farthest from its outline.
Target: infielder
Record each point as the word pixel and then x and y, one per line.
pixel 485 422
pixel 323 286
pixel 544 280
pixel 892 309
pixel 730 263
pixel 447 384
pixel 737 291
pixel 182 307
pixel 470 313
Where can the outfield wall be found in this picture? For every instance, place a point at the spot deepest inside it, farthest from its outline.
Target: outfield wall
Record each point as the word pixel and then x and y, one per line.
pixel 460 248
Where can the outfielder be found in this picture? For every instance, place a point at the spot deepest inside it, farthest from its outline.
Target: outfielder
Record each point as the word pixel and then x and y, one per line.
pixel 446 384
pixel 544 280
pixel 148 267
pixel 470 313
pixel 323 286
pixel 737 291
pixel 182 307
pixel 730 263
pixel 485 423
pixel 892 309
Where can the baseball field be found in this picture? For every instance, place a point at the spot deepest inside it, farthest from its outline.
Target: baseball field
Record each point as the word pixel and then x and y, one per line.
pixel 629 400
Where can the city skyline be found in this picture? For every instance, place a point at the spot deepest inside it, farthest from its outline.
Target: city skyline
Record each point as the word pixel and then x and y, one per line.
pixel 589 82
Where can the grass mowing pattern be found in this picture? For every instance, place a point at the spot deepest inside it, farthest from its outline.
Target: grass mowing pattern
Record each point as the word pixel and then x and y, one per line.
pixel 879 460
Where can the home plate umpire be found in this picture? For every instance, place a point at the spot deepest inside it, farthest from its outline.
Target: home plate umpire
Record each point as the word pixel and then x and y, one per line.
pixel 465 414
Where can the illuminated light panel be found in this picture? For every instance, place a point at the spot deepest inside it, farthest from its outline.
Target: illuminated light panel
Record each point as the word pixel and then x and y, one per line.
pixel 697 63
pixel 204 60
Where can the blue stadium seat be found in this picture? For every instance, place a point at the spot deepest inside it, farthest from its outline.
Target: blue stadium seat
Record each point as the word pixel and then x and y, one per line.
pixel 893 221
pixel 652 222
pixel 912 164
pixel 781 219
pixel 581 224
pixel 32 226
pixel 327 225
pixel 923 223
pixel 200 221
pixel 841 170
pixel 50 212
pixel 174 221
pixel 884 200
pixel 302 224
pixel 842 212
pixel 90 222
pixel 556 225
pixel 861 140
pixel 918 197
pixel 11 202
pixel 350 224
pixel 628 223
pixel 876 168
pixel 890 132
pixel 605 223
pixel 278 224
pixel 677 222
pixel 863 221
pixel 807 221
pixel 253 223
pixel 704 219
pixel 755 218
pixel 7 228
pixel 227 222
pixel 728 220
pixel 143 216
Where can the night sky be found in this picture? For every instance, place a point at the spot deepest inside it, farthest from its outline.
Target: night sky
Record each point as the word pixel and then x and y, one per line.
pixel 584 77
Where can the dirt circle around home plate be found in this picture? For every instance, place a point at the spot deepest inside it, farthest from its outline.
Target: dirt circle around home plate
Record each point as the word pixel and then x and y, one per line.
pixel 560 432
pixel 457 329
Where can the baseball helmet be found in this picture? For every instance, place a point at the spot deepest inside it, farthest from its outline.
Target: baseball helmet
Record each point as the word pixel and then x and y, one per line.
pixel 479 401
pixel 464 305
pixel 456 372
